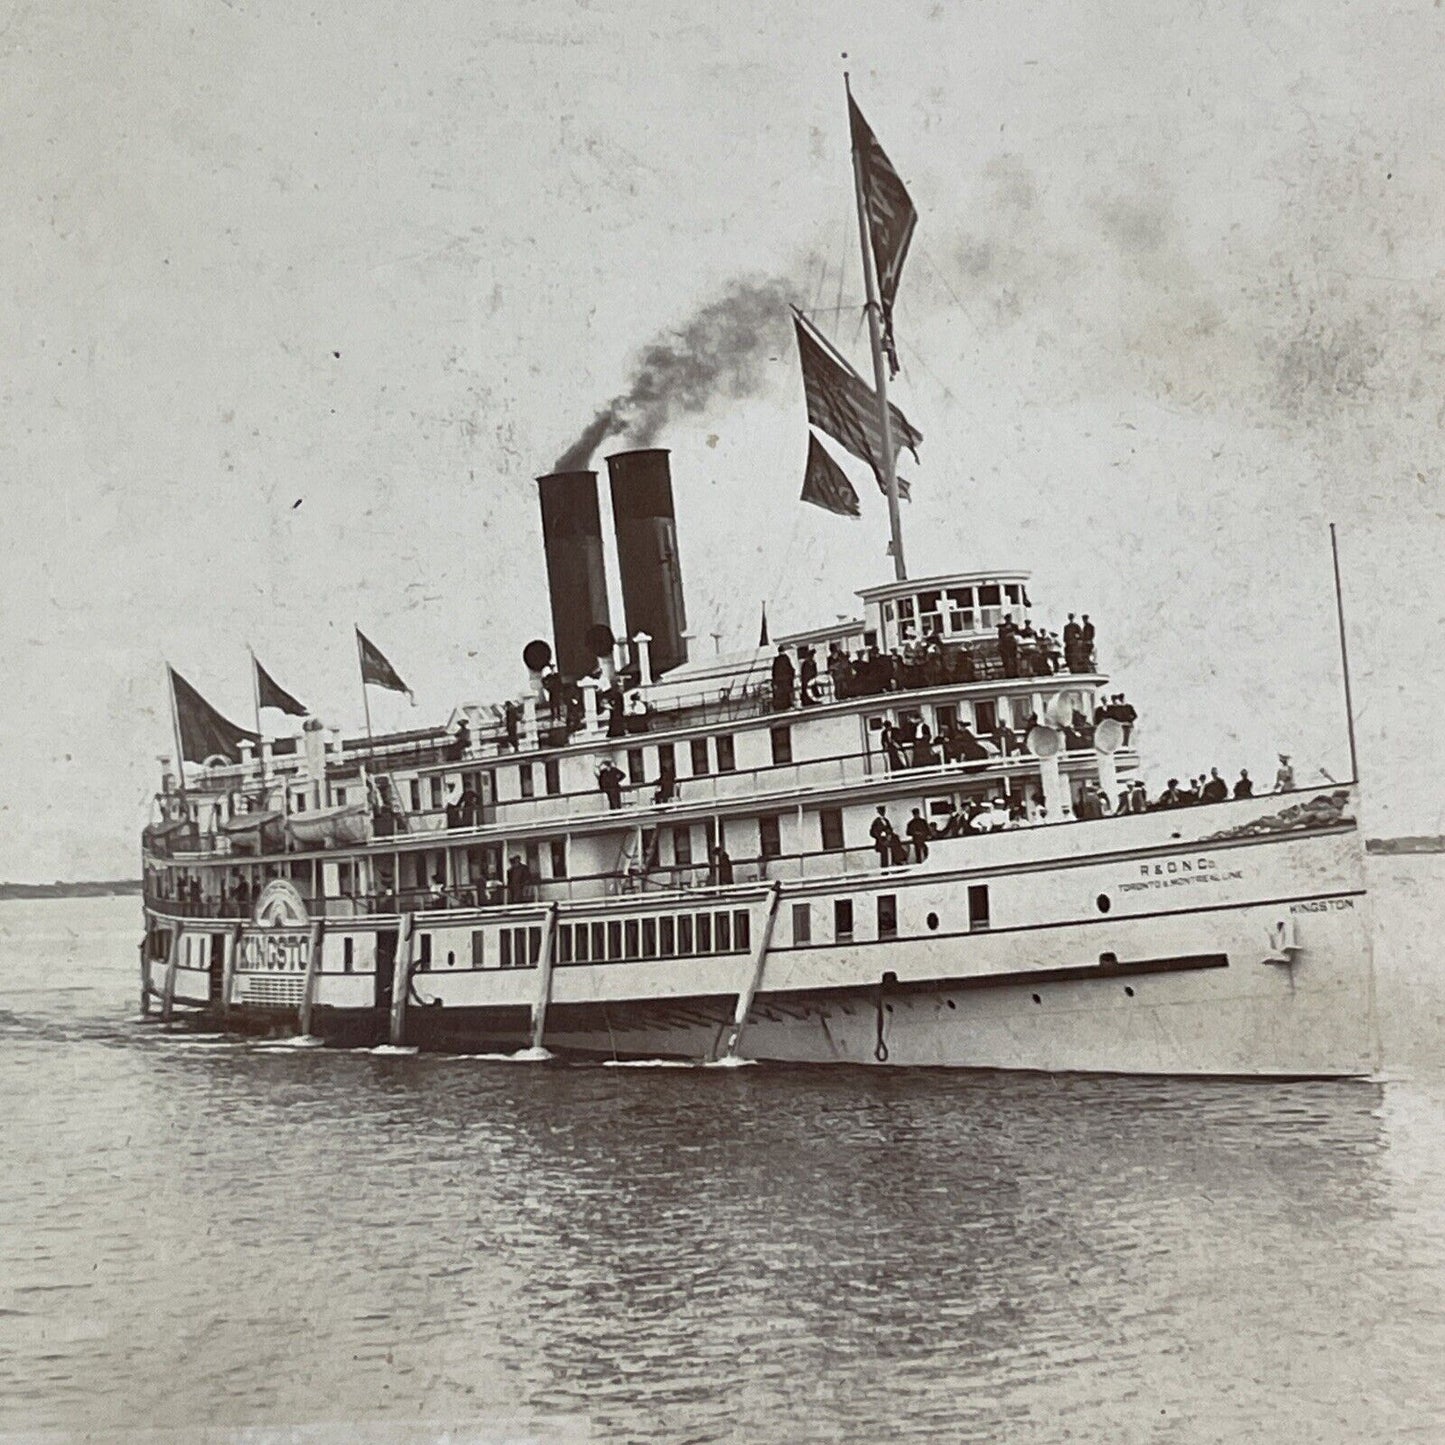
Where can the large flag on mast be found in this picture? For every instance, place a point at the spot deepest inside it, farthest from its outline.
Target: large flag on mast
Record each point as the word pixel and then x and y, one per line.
pixel 843 406
pixel 270 693
pixel 203 732
pixel 826 485
pixel 376 670
pixel 891 219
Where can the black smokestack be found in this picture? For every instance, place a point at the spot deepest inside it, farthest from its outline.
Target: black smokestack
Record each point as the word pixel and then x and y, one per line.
pixel 647 554
pixel 576 576
pixel 718 352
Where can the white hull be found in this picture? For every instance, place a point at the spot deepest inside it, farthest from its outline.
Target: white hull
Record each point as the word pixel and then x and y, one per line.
pixel 1183 973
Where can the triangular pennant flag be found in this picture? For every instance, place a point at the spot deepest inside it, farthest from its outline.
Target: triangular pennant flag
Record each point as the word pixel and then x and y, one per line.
pixel 763 640
pixel 269 693
pixel 891 218
pixel 843 406
pixel 204 732
pixel 826 485
pixel 375 669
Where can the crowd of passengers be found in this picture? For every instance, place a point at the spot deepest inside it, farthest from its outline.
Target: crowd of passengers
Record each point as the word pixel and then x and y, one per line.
pixel 1022 651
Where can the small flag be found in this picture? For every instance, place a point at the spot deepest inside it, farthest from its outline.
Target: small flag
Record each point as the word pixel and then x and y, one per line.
pixel 843 406
pixel 376 670
pixel 825 485
pixel 269 693
pixel 891 218
pixel 204 732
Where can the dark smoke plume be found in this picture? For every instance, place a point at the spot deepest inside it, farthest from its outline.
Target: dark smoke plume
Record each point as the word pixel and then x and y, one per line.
pixel 718 352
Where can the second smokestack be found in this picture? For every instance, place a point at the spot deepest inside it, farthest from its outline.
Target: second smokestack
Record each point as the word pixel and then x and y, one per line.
pixel 647 557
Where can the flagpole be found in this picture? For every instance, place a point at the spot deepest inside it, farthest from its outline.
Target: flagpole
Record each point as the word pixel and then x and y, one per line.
pixel 874 309
pixel 365 701
pixel 176 729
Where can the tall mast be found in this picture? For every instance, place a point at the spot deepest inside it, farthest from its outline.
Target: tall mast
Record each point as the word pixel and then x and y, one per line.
pixel 874 308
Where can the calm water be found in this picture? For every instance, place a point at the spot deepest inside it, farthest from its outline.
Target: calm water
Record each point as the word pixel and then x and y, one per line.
pixel 194 1232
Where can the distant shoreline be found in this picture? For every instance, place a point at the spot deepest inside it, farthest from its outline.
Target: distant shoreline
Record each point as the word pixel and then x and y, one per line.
pixel 103 888
pixel 1405 845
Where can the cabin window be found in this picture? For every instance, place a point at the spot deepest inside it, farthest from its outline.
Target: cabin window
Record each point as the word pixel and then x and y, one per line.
pixel 667 936
pixel 742 929
pixel 348 954
pixel 830 822
pixel 682 847
pixel 636 766
pixel 802 923
pixel 614 940
pixel 770 838
pixel 629 934
pixel 782 738
pixel 438 794
pixel 704 933
pixel 684 935
pixel 451 958
pixel 722 932
pixel 534 941
pixel 978 906
pixel 842 918
pixel 726 757
pixel 552 776
pixel 599 942
pixel 479 948
pixel 887 915
pixel 423 950
pixel 698 750
pixel 298 804
pixel 649 938
pixel 524 774
pixel 559 857
pixel 988 595
pixel 415 789
pixel 985 716
pixel 504 956
pixel 534 860
pixel 341 797
pixel 564 943
pixel 580 935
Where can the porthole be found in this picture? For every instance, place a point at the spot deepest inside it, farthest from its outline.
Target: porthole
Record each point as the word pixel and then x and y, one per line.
pixel 932 920
pixel 1103 903
pixel 951 1004
pixel 1037 999
pixel 1128 990
pixel 889 1007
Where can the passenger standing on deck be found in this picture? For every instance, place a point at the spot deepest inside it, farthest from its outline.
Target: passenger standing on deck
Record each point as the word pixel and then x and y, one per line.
pixel 609 779
pixel 1008 647
pixel 1071 645
pixel 807 677
pixel 883 836
pixel 1216 790
pixel 512 722
pixel 1086 643
pixel 918 835
pixel 721 872
pixel 892 748
pixel 782 681
pixel 519 880
pixel 1284 778
pixel 1244 788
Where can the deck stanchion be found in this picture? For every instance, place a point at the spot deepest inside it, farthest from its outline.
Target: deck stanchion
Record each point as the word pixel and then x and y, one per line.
pixel 755 974
pixel 228 971
pixel 172 963
pixel 313 967
pixel 544 977
pixel 401 981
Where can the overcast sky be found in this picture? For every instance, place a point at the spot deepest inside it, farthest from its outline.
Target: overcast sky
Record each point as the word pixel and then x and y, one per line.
pixel 296 300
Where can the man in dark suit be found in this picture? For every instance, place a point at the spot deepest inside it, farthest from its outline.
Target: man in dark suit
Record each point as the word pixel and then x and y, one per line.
pixel 783 676
pixel 1071 645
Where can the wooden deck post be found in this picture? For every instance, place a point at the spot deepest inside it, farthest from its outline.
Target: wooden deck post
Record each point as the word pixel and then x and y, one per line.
pixel 544 976
pixel 228 970
pixel 755 975
pixel 313 967
pixel 401 980
pixel 172 963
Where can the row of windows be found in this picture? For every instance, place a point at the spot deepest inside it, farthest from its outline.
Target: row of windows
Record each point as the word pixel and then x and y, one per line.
pixel 683 935
pixel 887 916
pixel 673 936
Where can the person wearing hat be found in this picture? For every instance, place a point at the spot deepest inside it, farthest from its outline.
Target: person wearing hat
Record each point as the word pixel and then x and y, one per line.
pixel 782 680
pixel 1284 778
pixel 882 834
pixel 1244 788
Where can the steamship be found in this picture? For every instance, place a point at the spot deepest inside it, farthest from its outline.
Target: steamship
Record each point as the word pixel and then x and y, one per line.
pixel 647 854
